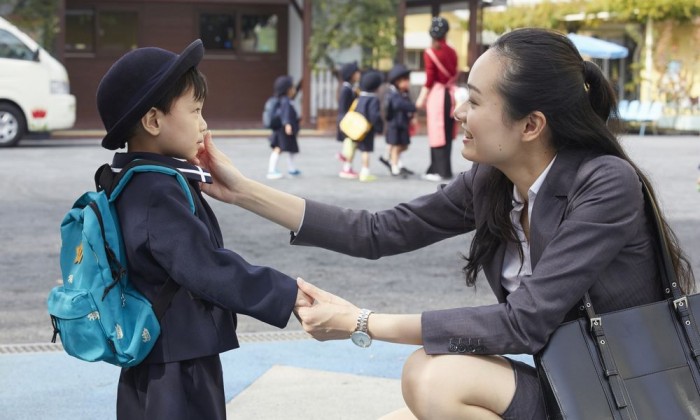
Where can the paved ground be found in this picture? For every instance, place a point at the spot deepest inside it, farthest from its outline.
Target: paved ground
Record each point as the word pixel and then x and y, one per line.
pixel 40 179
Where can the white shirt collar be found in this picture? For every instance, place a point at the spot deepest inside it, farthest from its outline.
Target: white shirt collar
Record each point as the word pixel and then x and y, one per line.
pixel 534 188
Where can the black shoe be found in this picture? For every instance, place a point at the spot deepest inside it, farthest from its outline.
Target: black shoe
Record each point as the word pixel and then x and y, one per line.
pixel 385 163
pixel 407 171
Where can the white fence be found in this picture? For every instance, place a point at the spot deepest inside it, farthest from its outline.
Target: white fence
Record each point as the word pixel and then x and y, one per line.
pixel 324 92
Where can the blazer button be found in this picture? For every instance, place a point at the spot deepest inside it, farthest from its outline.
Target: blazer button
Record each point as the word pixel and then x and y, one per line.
pixel 454 345
pixel 461 348
pixel 471 348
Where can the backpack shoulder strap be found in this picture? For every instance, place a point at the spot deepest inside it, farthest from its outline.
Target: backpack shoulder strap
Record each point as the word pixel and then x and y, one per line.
pixel 113 184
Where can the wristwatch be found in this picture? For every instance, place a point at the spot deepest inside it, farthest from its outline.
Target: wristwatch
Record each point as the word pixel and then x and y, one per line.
pixel 360 336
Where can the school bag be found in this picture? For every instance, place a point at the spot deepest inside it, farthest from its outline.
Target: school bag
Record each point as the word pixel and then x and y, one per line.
pixel 272 113
pixel 97 311
pixel 354 124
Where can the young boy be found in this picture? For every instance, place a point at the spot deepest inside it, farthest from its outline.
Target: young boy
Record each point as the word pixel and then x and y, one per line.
pixel 399 114
pixel 151 101
pixel 284 139
pixel 350 74
pixel 369 106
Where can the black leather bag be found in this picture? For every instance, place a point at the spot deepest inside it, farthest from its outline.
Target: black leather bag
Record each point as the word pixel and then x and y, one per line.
pixel 636 363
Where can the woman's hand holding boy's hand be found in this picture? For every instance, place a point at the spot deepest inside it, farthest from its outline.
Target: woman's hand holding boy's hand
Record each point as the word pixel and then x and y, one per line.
pixel 227 178
pixel 329 317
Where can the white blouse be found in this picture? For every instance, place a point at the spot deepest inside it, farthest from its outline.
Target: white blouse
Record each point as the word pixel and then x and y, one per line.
pixel 514 271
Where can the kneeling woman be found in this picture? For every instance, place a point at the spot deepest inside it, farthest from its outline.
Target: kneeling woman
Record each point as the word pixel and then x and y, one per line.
pixel 558 210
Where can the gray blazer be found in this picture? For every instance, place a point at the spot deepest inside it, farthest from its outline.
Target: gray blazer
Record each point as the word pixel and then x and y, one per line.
pixel 588 230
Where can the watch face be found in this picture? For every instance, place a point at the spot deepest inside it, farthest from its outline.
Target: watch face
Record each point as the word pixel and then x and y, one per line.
pixel 361 339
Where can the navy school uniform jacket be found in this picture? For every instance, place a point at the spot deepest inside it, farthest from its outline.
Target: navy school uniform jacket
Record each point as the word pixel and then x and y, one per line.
pixel 399 111
pixel 369 106
pixel 164 239
pixel 345 98
pixel 288 115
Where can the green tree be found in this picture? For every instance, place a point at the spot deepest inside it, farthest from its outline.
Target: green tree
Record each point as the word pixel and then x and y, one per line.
pixel 36 17
pixel 339 24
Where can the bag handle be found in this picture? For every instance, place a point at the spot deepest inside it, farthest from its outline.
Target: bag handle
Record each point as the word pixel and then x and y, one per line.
pixel 680 302
pixel 353 106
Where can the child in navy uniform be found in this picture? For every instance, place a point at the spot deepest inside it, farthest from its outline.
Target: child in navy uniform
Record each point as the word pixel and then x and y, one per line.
pixel 151 100
pixel 369 106
pixel 350 74
pixel 284 139
pixel 399 114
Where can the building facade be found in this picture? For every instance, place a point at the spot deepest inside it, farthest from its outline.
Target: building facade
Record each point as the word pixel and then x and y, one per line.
pixel 247 46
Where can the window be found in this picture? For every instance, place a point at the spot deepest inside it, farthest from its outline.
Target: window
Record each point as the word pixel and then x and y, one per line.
pixel 259 33
pixel 13 48
pixel 217 31
pixel 117 31
pixel 414 60
pixel 80 31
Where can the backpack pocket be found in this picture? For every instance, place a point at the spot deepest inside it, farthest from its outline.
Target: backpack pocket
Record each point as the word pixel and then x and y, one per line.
pixel 76 319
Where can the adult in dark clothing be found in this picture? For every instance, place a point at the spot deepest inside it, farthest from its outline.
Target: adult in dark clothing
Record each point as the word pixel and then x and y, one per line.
pixel 556 209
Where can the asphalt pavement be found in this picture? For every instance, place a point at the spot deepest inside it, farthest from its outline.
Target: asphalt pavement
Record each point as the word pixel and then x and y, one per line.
pixel 273 375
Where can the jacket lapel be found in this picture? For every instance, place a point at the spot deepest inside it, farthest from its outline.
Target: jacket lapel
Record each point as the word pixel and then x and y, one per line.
pixel 549 208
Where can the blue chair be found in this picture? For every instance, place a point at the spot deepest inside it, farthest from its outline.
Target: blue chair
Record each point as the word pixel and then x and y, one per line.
pixel 649 113
pixel 622 109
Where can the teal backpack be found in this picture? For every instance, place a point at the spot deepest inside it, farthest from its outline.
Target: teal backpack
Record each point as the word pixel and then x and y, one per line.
pixel 98 313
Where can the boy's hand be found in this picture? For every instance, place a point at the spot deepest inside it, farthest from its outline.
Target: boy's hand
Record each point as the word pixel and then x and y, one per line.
pixel 288 129
pixel 227 178
pixel 330 317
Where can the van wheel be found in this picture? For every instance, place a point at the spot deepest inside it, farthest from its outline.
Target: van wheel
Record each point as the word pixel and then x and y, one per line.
pixel 12 125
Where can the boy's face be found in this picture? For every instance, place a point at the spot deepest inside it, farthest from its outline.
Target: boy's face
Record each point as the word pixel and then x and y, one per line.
pixel 292 91
pixel 403 84
pixel 182 129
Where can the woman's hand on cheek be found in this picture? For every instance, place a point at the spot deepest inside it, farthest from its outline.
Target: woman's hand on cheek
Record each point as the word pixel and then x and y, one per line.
pixel 330 317
pixel 227 178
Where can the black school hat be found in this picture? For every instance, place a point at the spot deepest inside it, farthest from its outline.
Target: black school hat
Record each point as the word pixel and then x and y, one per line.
pixel 136 82
pixel 282 85
pixel 397 72
pixel 348 70
pixel 370 81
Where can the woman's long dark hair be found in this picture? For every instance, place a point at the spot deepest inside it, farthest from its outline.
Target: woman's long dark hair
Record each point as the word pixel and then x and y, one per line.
pixel 544 72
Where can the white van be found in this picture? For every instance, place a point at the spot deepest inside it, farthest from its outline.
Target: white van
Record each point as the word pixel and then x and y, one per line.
pixel 34 89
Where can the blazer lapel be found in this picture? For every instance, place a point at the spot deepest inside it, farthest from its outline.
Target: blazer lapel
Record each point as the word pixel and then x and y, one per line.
pixel 550 205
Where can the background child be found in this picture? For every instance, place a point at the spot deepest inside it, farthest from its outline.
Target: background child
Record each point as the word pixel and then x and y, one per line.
pixel 369 106
pixel 399 114
pixel 350 74
pixel 151 100
pixel 284 139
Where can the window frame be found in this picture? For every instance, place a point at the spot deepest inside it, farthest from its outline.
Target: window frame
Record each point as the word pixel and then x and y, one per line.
pixel 238 12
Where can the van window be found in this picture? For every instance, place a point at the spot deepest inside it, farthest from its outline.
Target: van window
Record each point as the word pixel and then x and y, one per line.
pixel 11 47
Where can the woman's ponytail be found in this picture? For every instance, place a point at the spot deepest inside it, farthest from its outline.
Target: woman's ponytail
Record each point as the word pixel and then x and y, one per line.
pixel 600 93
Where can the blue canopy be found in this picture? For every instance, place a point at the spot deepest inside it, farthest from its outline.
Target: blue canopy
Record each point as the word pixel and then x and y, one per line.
pixel 597 48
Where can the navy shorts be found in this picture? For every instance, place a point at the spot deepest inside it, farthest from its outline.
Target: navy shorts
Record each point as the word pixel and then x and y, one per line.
pixel 528 402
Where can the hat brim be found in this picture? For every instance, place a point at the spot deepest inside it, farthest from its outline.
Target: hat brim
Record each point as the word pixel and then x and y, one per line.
pixel 190 57
pixel 394 77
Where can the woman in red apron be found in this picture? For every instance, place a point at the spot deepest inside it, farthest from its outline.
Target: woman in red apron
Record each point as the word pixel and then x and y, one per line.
pixel 437 98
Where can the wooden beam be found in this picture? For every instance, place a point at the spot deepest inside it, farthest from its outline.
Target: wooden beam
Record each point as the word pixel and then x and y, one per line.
pixel 306 67
pixel 435 8
pixel 474 47
pixel 297 8
pixel 400 26
pixel 60 41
